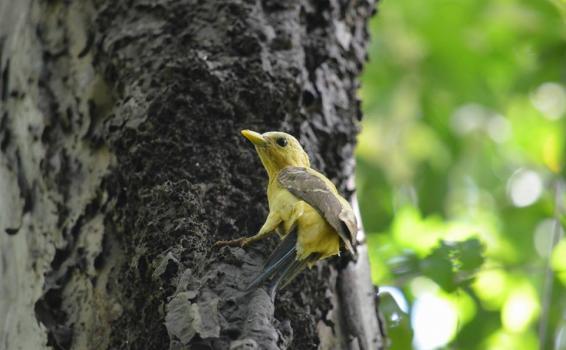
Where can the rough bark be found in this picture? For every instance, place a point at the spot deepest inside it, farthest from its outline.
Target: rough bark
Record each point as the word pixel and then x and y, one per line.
pixel 121 163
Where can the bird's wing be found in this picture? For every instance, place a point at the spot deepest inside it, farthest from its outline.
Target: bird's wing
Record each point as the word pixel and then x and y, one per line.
pixel 311 187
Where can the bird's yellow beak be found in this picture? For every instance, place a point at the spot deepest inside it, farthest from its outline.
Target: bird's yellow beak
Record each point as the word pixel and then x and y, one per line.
pixel 254 137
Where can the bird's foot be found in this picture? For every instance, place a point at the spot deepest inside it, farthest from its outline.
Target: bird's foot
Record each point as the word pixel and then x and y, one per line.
pixel 239 242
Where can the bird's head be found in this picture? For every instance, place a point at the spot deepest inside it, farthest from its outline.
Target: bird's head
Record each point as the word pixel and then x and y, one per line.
pixel 277 150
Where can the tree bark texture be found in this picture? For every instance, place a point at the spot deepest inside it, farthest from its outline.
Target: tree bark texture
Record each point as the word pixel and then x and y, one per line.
pixel 121 163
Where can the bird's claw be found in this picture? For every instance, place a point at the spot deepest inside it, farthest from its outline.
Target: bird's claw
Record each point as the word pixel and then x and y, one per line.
pixel 239 242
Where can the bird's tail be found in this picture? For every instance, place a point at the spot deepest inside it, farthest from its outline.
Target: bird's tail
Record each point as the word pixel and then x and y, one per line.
pixel 282 265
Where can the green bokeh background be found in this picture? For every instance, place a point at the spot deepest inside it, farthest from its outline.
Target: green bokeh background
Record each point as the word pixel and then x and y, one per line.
pixel 461 166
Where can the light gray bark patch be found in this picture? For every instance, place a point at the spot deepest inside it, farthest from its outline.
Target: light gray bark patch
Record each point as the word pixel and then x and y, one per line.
pixel 210 325
pixel 258 322
pixel 184 319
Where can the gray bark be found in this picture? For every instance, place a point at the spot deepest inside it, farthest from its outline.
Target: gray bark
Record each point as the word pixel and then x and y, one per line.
pixel 121 163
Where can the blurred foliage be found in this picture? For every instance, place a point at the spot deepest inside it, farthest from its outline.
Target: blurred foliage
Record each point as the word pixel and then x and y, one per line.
pixel 461 171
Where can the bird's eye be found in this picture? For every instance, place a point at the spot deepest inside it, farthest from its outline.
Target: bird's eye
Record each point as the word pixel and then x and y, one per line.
pixel 281 141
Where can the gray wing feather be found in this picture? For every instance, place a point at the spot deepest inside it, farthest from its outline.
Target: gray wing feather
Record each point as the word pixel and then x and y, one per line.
pixel 316 193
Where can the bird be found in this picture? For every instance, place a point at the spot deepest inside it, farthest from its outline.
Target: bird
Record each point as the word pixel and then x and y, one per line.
pixel 306 210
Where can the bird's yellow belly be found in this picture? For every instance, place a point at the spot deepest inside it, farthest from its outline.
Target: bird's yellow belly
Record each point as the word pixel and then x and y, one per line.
pixel 315 235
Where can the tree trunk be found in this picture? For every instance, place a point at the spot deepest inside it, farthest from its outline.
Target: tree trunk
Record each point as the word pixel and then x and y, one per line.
pixel 121 163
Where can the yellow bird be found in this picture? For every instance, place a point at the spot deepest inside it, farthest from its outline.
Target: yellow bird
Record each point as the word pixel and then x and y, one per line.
pixel 313 220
